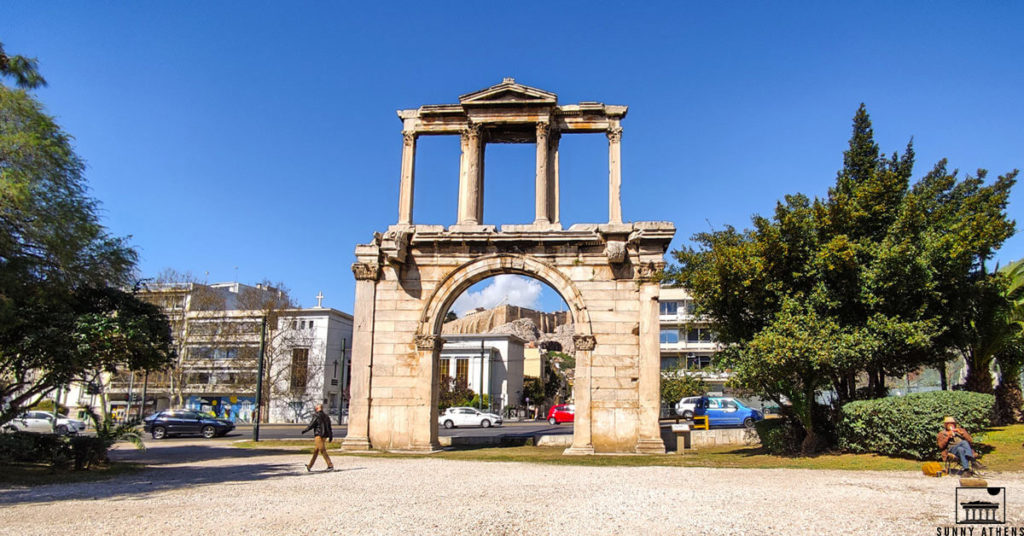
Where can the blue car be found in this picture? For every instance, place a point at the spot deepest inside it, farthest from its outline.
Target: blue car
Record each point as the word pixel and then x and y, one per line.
pixel 727 412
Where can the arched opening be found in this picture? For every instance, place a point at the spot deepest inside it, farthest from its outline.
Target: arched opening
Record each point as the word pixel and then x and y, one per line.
pixel 511 337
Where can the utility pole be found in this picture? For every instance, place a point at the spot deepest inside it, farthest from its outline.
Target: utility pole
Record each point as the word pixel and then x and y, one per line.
pixel 344 382
pixel 145 386
pixel 131 386
pixel 259 383
pixel 481 397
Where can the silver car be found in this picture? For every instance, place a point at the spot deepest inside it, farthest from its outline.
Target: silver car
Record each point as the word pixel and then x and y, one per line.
pixel 42 422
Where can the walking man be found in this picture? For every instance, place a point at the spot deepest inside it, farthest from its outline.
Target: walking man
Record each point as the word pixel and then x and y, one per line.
pixel 321 427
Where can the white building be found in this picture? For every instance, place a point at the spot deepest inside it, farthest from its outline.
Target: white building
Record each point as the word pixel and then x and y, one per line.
pixel 491 360
pixel 216 331
pixel 686 339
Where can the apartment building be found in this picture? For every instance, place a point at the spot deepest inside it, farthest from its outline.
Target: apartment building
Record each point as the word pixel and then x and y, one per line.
pixel 686 339
pixel 217 332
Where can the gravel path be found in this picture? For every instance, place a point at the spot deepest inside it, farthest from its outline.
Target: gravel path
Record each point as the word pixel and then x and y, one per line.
pixel 272 494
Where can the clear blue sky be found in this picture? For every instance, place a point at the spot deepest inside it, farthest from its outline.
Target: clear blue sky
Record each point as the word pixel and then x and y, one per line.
pixel 263 136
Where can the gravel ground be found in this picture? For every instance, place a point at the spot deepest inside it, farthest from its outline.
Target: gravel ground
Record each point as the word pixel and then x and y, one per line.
pixel 227 491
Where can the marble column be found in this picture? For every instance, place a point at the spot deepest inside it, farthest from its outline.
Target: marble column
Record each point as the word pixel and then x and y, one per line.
pixel 553 191
pixel 582 435
pixel 543 206
pixel 405 195
pixel 358 436
pixel 470 189
pixel 615 174
pixel 424 433
pixel 649 440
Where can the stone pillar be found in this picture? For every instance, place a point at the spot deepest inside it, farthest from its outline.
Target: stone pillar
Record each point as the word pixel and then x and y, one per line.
pixel 581 433
pixel 470 191
pixel 405 193
pixel 649 387
pixel 553 193
pixel 615 174
pixel 358 436
pixel 480 181
pixel 424 432
pixel 542 189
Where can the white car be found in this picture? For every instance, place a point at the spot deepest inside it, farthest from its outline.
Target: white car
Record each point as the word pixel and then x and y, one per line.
pixel 686 406
pixel 453 417
pixel 42 422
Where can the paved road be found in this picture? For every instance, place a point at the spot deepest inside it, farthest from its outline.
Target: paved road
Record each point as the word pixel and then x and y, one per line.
pixel 294 431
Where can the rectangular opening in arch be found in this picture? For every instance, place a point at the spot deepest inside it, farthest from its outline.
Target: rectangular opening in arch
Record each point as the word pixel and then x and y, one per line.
pixel 509 183
pixel 583 178
pixel 436 189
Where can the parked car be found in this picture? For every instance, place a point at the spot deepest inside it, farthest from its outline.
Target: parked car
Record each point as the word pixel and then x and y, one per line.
pixel 186 422
pixel 463 416
pixel 686 406
pixel 562 413
pixel 42 422
pixel 723 411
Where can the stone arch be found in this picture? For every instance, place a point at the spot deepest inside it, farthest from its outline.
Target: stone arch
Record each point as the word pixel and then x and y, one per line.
pixel 472 272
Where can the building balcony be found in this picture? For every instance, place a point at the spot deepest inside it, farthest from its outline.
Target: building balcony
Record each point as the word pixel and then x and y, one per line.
pixel 690 346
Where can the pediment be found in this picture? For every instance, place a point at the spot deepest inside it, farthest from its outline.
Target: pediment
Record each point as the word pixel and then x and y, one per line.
pixel 509 92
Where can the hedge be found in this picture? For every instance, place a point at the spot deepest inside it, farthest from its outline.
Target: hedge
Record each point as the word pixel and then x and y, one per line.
pixel 61 452
pixel 907 426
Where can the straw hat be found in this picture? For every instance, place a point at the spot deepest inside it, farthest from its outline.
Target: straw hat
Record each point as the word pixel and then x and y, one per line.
pixel 948 420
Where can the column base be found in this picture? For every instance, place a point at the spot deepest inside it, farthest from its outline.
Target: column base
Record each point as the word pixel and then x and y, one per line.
pixel 429 448
pixel 356 444
pixel 585 450
pixel 650 446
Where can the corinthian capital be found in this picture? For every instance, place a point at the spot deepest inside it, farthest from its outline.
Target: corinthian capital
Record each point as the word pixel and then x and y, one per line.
pixel 409 137
pixel 428 343
pixel 473 131
pixel 614 134
pixel 584 343
pixel 366 271
pixel 542 130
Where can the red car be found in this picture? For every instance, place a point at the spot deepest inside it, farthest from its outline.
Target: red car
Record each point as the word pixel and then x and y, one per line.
pixel 562 413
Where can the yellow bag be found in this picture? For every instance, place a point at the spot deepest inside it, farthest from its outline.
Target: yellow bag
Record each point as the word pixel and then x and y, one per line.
pixel 932 469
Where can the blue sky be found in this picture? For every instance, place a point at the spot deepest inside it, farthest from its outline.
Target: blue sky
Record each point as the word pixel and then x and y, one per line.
pixel 259 140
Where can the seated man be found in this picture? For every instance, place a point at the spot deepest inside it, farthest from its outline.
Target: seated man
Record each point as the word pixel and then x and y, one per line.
pixel 955 441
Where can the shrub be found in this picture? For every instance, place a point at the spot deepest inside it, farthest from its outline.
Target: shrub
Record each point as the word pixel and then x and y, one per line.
pixel 780 436
pixel 907 426
pixel 29 447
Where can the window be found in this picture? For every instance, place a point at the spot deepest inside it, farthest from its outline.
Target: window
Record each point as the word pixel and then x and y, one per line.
pixel 300 369
pixel 689 307
pixel 669 308
pixel 462 370
pixel 669 363
pixel 295 324
pixel 698 361
pixel 669 336
pixel 445 368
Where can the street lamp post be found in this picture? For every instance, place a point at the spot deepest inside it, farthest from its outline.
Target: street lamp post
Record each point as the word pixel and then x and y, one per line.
pixel 259 383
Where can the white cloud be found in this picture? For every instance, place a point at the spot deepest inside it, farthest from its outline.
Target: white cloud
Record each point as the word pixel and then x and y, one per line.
pixel 519 290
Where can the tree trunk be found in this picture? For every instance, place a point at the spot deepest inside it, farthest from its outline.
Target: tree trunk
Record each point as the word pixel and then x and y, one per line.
pixel 979 379
pixel 943 382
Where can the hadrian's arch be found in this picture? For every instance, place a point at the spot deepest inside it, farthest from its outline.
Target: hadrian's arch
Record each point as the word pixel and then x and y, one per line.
pixel 409 275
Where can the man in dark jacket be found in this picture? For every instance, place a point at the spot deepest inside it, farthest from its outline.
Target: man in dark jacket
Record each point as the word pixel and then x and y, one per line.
pixel 321 427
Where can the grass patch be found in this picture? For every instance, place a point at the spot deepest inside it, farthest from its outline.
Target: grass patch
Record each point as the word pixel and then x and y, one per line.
pixel 31 474
pixel 296 445
pixel 1002 446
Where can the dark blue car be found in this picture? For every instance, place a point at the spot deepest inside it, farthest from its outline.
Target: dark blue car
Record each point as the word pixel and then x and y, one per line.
pixel 727 412
pixel 186 422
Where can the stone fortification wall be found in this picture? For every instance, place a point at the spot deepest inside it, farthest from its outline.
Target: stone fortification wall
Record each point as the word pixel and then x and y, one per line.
pixel 485 321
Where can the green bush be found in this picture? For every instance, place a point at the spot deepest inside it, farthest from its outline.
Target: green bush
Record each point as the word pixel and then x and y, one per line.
pixel 61 452
pixel 907 426
pixel 780 436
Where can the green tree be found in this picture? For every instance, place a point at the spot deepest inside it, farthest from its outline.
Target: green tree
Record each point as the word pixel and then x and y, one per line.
pixel 871 281
pixel 23 70
pixel 677 383
pixel 61 315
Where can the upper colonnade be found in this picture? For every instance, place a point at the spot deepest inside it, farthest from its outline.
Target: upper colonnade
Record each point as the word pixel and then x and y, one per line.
pixel 510 113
